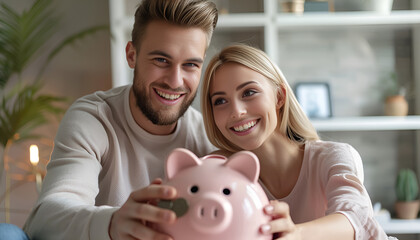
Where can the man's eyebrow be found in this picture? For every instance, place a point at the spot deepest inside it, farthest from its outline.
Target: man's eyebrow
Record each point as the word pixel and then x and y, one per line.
pixel 160 53
pixel 197 60
pixel 164 54
pixel 237 88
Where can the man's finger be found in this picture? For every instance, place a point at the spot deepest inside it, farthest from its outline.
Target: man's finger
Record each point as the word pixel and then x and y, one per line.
pixel 155 214
pixel 136 230
pixel 154 191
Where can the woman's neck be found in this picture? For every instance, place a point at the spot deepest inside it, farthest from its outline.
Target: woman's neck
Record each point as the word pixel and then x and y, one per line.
pixel 280 162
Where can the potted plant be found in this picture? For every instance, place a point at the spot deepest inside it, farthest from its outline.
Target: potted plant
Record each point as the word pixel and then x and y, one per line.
pixel 380 6
pixel 395 97
pixel 23 37
pixel 407 189
pixel 23 106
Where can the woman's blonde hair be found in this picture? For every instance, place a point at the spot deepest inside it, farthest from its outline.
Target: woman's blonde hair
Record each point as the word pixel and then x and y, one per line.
pixel 292 120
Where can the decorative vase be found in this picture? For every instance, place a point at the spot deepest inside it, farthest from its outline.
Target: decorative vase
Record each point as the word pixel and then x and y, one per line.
pixel 396 106
pixel 407 210
pixel 222 6
pixel 293 6
pixel 380 6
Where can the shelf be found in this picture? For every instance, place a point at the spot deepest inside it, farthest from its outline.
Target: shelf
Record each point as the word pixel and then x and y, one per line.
pixel 316 19
pixel 378 123
pixel 338 19
pixel 225 21
pixel 401 226
pixel 242 20
pixel 290 21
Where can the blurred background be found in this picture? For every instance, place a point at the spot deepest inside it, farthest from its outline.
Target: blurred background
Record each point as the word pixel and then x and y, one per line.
pixel 362 52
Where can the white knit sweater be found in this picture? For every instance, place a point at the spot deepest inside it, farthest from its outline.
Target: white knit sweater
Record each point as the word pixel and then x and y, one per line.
pixel 100 156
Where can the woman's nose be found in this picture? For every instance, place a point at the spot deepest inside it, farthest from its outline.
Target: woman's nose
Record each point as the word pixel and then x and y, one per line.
pixel 238 109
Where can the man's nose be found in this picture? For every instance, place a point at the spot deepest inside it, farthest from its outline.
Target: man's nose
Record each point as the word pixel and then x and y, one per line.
pixel 175 78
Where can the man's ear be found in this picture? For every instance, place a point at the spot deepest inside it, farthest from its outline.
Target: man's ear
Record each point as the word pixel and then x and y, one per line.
pixel 131 54
pixel 281 96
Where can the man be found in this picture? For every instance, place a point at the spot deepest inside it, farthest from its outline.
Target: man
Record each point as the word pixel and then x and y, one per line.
pixel 111 147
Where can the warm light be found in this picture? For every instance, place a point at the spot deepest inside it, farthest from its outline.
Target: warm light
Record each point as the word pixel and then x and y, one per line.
pixel 34 154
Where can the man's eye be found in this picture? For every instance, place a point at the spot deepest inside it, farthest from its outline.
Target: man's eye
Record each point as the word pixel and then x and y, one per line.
pixel 248 93
pixel 161 60
pixel 190 65
pixel 219 101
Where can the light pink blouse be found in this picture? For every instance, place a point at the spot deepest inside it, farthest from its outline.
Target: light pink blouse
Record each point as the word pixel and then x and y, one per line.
pixel 331 181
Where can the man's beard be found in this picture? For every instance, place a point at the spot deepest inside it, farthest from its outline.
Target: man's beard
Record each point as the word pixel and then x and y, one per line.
pixel 157 117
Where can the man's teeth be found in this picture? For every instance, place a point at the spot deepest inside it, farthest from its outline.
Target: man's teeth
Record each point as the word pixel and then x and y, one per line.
pixel 245 126
pixel 168 96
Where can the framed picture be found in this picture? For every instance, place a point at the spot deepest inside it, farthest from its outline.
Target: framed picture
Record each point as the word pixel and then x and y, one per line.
pixel 314 98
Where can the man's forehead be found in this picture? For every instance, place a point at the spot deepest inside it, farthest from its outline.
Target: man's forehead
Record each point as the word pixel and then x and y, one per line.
pixel 173 41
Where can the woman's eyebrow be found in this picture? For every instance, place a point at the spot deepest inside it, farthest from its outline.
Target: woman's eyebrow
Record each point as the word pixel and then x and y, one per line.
pixel 237 88
pixel 244 84
pixel 217 93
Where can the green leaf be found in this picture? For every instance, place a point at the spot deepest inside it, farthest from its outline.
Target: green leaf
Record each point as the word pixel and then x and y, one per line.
pixel 23 109
pixel 23 35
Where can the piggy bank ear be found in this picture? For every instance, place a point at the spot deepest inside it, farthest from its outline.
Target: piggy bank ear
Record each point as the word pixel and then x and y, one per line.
pixel 180 159
pixel 246 163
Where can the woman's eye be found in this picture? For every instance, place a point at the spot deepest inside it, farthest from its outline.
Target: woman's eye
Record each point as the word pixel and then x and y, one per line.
pixel 248 93
pixel 219 101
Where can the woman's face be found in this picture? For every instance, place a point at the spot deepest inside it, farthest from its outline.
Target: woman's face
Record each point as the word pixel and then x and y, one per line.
pixel 245 105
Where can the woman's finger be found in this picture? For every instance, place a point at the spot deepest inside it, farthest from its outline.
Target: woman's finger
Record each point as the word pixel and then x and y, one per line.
pixel 277 209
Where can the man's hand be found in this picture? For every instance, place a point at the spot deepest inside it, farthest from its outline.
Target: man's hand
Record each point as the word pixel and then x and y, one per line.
pixel 132 220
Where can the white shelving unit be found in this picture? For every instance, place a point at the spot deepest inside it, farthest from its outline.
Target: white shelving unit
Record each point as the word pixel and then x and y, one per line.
pixel 273 22
pixel 340 19
pixel 270 22
pixel 377 123
pixel 399 226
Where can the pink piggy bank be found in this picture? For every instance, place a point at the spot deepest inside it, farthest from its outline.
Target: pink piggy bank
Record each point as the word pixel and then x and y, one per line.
pixel 218 197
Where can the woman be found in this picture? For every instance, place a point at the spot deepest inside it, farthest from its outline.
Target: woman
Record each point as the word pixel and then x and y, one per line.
pixel 248 105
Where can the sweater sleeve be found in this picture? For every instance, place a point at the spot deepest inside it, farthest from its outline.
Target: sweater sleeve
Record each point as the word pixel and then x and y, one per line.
pixel 346 193
pixel 66 206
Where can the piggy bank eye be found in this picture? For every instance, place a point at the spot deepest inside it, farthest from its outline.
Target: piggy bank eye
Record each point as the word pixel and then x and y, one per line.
pixel 226 191
pixel 194 189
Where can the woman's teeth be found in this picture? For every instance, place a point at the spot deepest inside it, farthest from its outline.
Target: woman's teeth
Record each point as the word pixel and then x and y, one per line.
pixel 245 126
pixel 168 96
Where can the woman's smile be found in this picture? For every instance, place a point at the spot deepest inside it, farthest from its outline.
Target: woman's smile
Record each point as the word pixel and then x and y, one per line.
pixel 244 127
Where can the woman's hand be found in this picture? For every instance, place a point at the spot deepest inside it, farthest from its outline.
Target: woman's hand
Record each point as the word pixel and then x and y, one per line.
pixel 281 225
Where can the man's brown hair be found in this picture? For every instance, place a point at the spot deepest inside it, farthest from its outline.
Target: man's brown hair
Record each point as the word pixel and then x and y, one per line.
pixel 189 13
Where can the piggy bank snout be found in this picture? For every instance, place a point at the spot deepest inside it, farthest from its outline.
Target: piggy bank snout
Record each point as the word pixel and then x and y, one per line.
pixel 212 213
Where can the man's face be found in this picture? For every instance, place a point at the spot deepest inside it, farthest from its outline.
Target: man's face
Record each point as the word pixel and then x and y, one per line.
pixel 167 70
